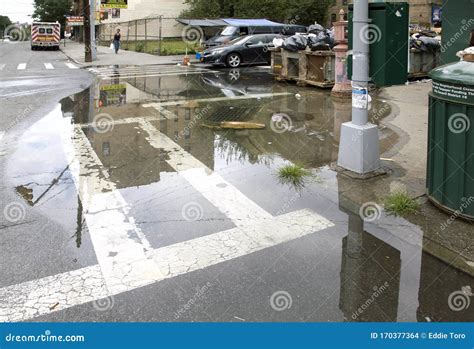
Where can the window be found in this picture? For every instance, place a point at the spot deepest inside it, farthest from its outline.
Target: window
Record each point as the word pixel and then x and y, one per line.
pixel 187 115
pixel 229 31
pixel 257 40
pixel 42 30
pixel 49 31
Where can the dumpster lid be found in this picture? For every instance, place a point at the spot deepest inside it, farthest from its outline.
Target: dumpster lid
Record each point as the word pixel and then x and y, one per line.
pixel 460 73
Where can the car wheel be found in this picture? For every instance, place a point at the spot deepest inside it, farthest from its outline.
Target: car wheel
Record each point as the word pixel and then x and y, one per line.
pixel 234 60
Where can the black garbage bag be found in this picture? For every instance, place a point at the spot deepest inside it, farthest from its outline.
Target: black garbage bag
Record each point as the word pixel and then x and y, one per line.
pixel 425 43
pixel 429 44
pixel 315 29
pixel 317 44
pixel 295 43
pixel 322 41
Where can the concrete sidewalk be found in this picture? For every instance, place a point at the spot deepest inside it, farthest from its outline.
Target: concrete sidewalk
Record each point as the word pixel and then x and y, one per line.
pixel 448 239
pixel 105 56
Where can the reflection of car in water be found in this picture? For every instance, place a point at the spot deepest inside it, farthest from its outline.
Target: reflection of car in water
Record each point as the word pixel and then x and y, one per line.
pixel 252 49
pixel 241 82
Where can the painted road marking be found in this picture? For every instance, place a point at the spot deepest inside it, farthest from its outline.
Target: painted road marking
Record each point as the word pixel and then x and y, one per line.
pixel 34 298
pixel 2 151
pixel 48 66
pixel 123 253
pixel 159 106
pixel 2 66
pixel 229 200
pixel 108 77
pixel 150 71
pixel 126 260
pixel 21 66
pixel 164 68
pixel 71 66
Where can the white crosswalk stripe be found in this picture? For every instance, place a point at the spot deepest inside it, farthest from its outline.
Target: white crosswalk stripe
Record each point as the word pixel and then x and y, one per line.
pixel 135 263
pixel 71 66
pixel 47 65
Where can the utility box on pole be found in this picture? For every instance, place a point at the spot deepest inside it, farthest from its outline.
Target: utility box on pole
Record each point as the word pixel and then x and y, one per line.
pixel 388 36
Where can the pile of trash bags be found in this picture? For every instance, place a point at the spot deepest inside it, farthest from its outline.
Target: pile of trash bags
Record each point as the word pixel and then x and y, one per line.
pixel 316 39
pixel 424 40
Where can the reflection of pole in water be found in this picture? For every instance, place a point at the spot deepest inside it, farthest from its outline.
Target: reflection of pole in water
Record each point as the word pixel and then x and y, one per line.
pixel 354 238
pixel 80 222
pixel 369 276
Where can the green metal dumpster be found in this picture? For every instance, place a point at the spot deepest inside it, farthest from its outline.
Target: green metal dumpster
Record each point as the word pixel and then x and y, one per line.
pixel 388 37
pixel 450 173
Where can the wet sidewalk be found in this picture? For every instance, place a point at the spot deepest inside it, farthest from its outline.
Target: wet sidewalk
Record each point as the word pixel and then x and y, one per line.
pixel 105 56
pixel 404 154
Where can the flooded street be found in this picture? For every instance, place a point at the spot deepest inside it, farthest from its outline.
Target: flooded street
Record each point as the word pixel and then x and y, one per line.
pixel 162 204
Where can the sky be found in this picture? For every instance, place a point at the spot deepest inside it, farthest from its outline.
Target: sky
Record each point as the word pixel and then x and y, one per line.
pixel 17 10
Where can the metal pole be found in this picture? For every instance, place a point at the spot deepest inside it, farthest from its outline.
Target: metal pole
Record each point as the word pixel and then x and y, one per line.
pixel 92 21
pixel 146 38
pixel 360 75
pixel 136 27
pixel 359 145
pixel 128 35
pixel 159 35
pixel 87 31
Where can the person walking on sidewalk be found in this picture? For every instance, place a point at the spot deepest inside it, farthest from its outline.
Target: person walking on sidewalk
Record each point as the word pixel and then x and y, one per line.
pixel 116 42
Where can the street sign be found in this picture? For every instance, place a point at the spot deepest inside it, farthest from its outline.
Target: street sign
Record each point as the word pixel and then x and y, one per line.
pixel 74 21
pixel 105 4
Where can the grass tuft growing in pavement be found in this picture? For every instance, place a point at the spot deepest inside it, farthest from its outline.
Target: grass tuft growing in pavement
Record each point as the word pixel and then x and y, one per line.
pixel 400 204
pixel 294 175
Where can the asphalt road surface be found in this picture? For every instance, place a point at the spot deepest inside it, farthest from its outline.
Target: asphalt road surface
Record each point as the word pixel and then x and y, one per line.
pixel 116 205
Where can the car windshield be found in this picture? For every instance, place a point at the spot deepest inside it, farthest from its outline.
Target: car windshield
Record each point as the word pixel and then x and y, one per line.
pixel 229 31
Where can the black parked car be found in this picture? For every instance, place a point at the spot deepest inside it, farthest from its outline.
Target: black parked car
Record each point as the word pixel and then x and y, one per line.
pixel 250 50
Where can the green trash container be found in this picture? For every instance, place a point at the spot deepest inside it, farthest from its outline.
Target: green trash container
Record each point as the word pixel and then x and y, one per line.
pixel 450 174
pixel 388 36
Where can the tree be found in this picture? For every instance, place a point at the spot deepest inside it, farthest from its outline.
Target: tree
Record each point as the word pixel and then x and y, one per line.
pixel 52 10
pixel 297 11
pixel 4 23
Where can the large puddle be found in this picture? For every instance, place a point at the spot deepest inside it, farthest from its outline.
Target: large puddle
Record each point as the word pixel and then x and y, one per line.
pixel 145 128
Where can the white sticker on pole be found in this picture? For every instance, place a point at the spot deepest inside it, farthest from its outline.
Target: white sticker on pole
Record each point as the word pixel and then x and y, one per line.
pixel 360 98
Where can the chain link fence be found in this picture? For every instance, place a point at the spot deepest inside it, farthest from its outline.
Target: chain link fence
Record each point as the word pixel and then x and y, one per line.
pixel 155 35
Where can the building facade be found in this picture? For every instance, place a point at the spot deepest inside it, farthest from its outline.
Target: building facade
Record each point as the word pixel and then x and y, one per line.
pixel 421 11
pixel 138 9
